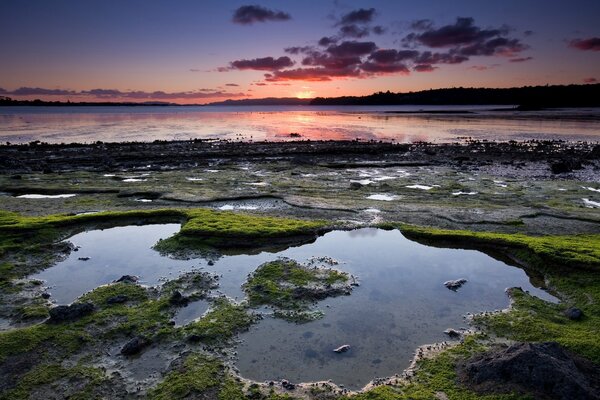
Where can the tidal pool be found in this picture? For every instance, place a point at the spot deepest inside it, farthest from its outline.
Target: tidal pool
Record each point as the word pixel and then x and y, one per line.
pixel 401 302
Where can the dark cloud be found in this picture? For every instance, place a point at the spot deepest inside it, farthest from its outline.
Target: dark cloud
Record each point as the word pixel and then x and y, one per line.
pixel 528 33
pixel 378 30
pixel 330 62
pixel 354 31
pixel 590 44
pixel 590 80
pixel 231 84
pixel 520 59
pixel 496 46
pixel 384 68
pixel 312 74
pixel 421 24
pixel 427 57
pixel 360 16
pixel 247 15
pixel 424 68
pixel 462 32
pixel 351 48
pixel 115 94
pixel 327 40
pixel 29 91
pixel 195 70
pixel 391 55
pixel 299 49
pixel 263 64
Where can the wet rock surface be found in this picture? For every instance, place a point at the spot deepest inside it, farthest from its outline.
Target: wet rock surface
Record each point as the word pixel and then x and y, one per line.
pixel 544 370
pixel 455 284
pixel 135 345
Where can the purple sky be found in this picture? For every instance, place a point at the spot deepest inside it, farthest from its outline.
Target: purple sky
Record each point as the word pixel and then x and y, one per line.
pixel 204 51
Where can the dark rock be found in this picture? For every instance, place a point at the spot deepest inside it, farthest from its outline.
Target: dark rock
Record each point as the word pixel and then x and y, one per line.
pixel 135 345
pixel 455 284
pixel 355 186
pixel 563 166
pixel 45 295
pixel 210 262
pixel 452 333
pixel 83 258
pixel 127 279
pixel 342 349
pixel 118 299
pixel 544 370
pixel 194 338
pixel 70 313
pixel 573 313
pixel 288 385
pixel 177 299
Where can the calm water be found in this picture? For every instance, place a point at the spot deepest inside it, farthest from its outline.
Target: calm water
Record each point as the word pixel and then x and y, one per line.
pixel 400 304
pixel 111 124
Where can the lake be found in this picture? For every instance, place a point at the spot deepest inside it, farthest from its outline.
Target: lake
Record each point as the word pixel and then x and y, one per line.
pixel 404 124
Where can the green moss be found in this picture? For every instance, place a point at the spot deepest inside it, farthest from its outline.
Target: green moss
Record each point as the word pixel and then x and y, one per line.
pixel 286 284
pixel 101 294
pixel 48 374
pixel 436 375
pixel 33 311
pixel 222 322
pixel 197 377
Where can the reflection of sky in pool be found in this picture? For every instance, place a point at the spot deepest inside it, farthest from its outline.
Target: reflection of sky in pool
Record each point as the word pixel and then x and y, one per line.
pixel 400 304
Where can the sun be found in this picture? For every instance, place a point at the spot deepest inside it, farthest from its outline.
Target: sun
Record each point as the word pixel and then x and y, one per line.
pixel 305 94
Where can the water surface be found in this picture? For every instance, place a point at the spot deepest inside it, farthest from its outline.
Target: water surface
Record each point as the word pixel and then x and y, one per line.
pixel 114 124
pixel 401 302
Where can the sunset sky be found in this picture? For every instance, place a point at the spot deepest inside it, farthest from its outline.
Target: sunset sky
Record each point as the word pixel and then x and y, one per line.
pixel 204 51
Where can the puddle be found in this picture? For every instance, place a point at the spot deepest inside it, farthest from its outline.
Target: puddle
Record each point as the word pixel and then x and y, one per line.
pixel 382 197
pixel 193 179
pixel 229 207
pixel 262 204
pixel 144 200
pixel 422 187
pixel 4 324
pixel 134 180
pixel 191 312
pixel 372 210
pixel 363 182
pixel 45 196
pixel 590 203
pixel 401 302
pixel 464 193
pixel 591 188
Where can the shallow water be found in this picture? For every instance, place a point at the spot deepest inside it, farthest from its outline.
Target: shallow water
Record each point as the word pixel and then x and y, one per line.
pixel 113 124
pixel 401 302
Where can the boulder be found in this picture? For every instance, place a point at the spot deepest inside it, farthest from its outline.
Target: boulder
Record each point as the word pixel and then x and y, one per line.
pixel 177 299
pixel 70 313
pixel 544 370
pixel 455 284
pixel 127 279
pixel 342 349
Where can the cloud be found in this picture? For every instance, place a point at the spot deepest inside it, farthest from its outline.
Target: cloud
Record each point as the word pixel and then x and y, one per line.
pixel 354 31
pixel 528 33
pixel 360 16
pixel 384 68
pixel 424 68
pixel 496 46
pixel 115 94
pixel 590 80
pixel 590 44
pixel 351 48
pixel 312 74
pixel 262 64
pixel 421 24
pixel 378 30
pixel 299 49
pixel 520 59
pixel 327 40
pixel 247 15
pixel 462 32
pixel 29 91
pixel 231 84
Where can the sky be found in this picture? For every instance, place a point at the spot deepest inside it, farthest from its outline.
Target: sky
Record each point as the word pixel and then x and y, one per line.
pixel 198 52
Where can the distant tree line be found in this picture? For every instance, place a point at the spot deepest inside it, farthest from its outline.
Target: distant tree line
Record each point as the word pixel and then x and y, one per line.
pixel 527 97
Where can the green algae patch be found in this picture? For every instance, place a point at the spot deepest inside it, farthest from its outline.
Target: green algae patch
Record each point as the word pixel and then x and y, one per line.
pixel 291 288
pixel 223 321
pixel 197 376
pixel 571 251
pixel 81 382
pixel 435 378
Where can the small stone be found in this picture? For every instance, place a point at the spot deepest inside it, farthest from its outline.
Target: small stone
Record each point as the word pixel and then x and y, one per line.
pixel 342 349
pixel 177 299
pixel 84 258
pixel 452 333
pixel 45 295
pixel 455 284
pixel 70 313
pixel 573 313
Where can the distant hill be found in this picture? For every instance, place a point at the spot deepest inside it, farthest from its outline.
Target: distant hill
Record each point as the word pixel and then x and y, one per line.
pixel 7 101
pixel 268 101
pixel 527 97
